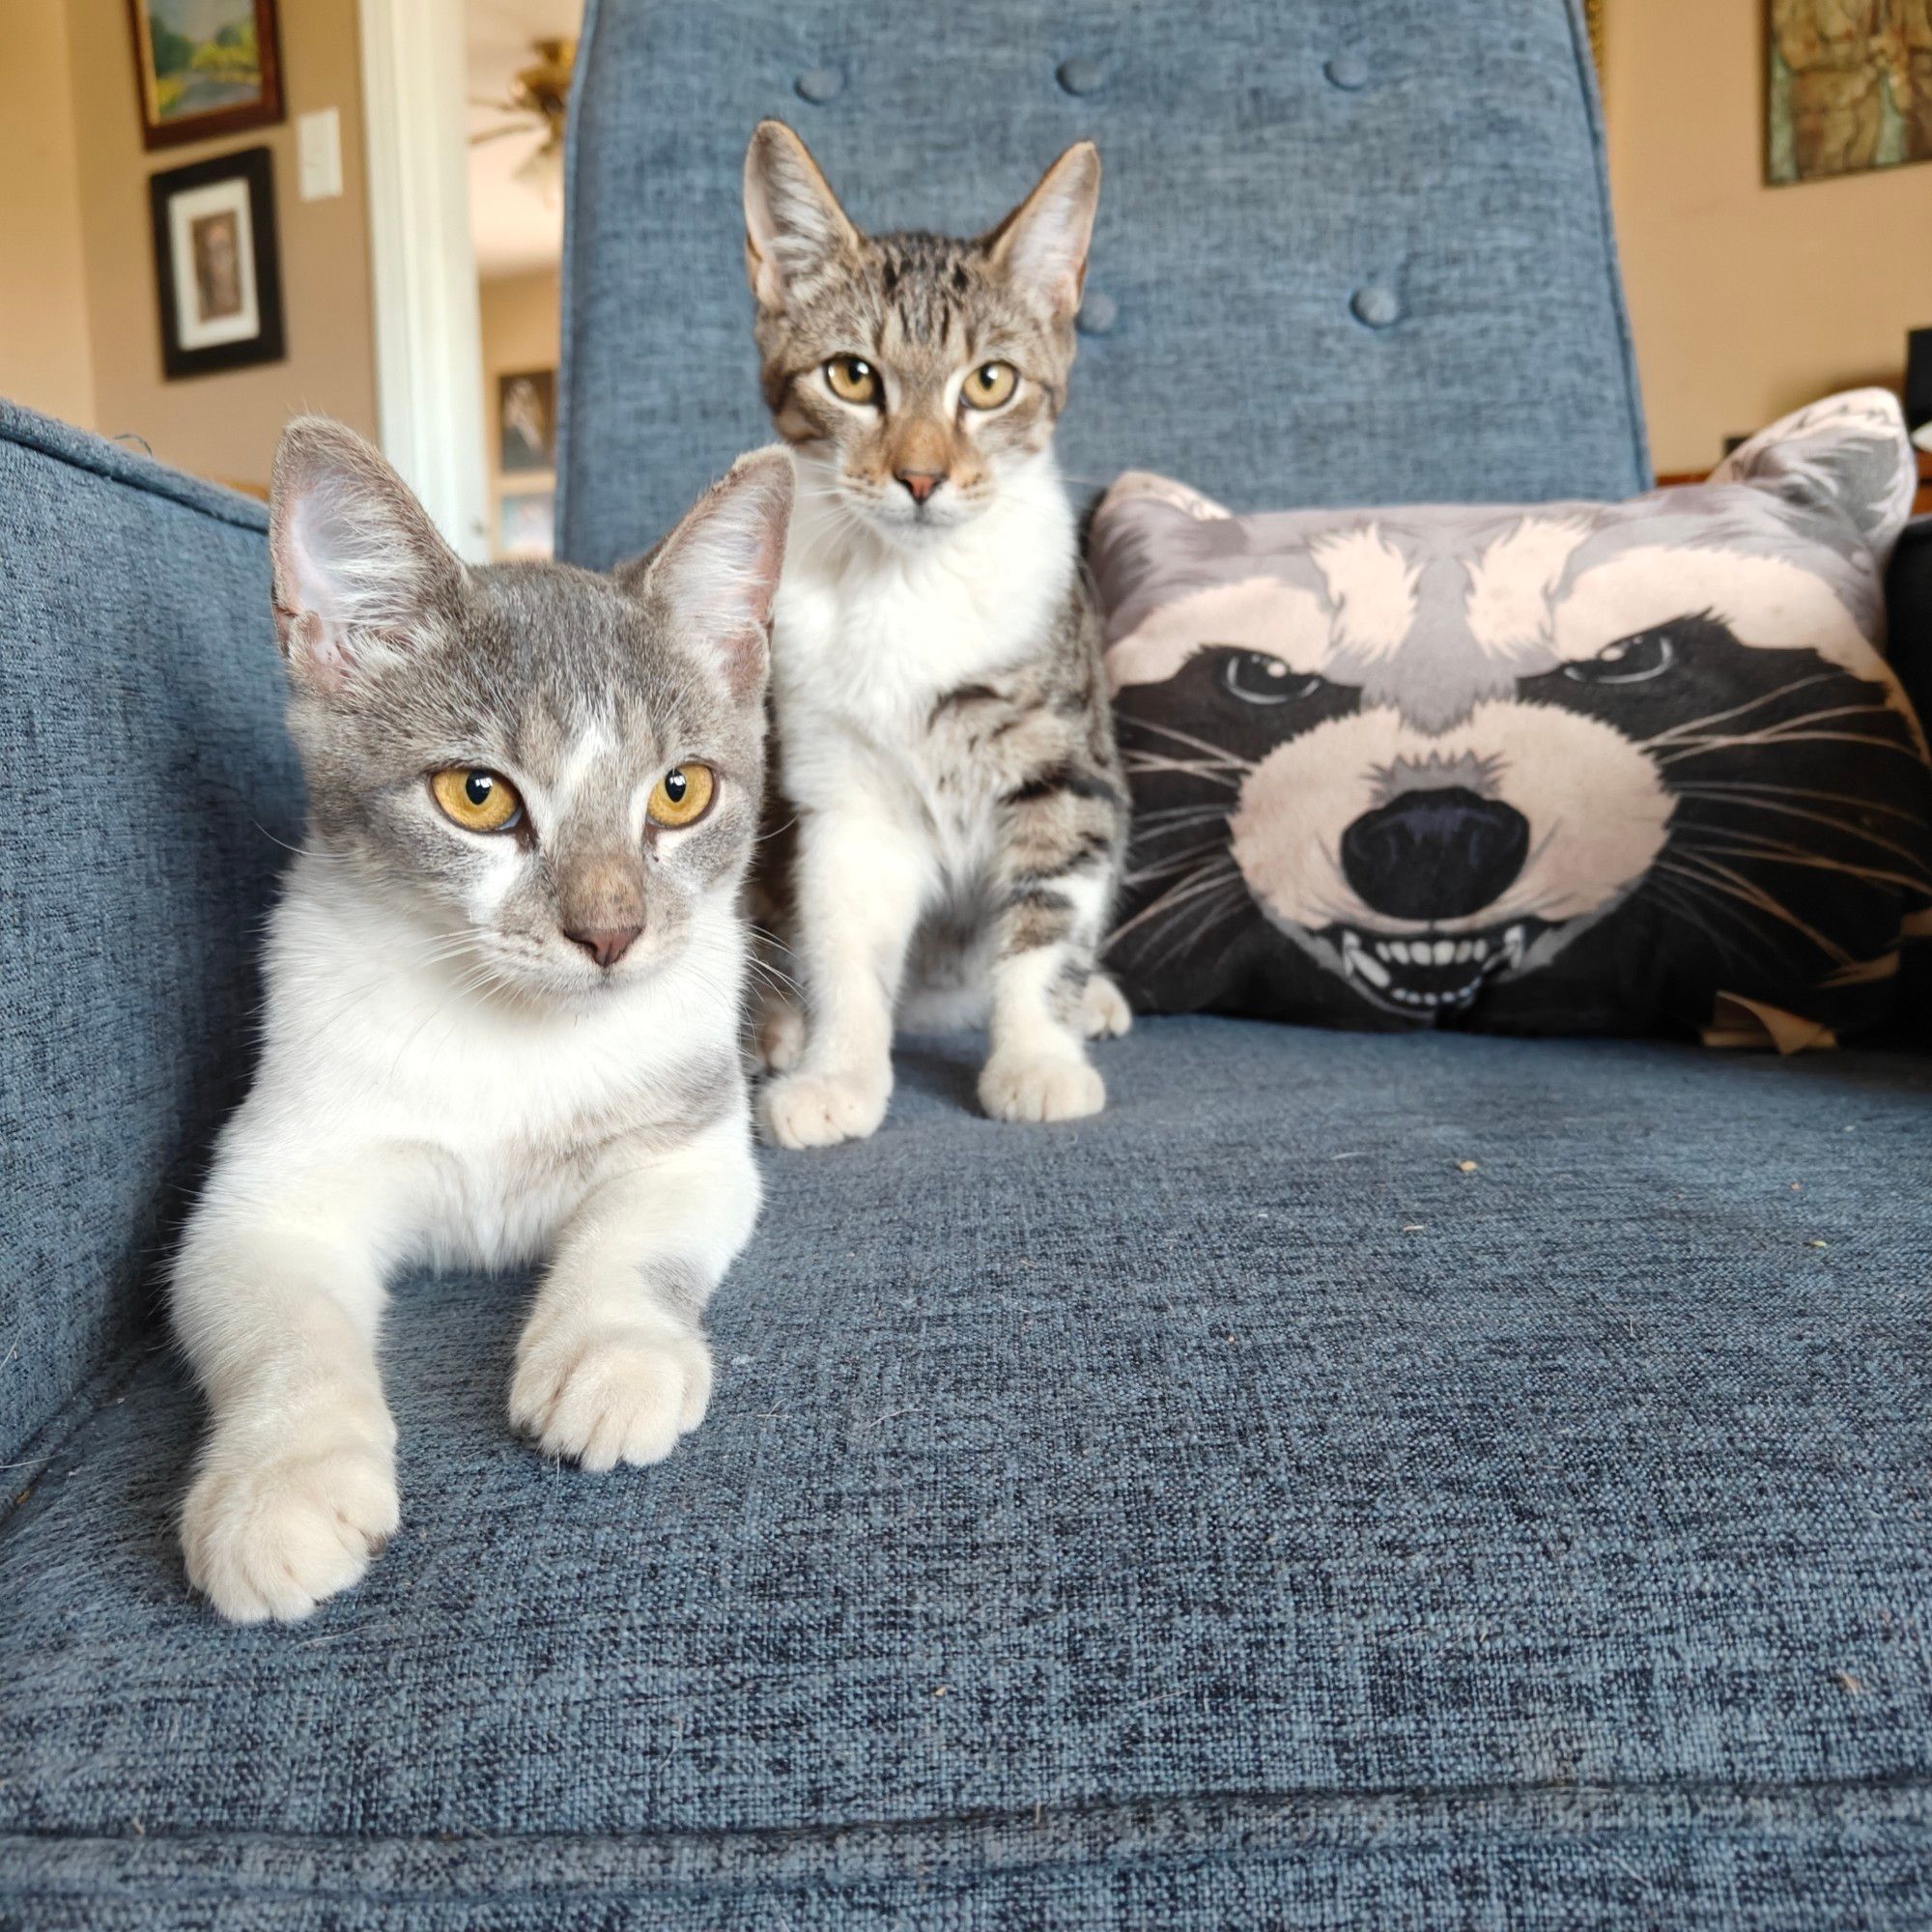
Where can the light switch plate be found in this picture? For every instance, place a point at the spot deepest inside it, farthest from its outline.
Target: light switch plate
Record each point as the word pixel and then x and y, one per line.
pixel 319 153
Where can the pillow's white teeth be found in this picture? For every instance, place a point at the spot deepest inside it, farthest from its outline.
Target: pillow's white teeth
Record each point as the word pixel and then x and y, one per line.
pixel 1363 958
pixel 1357 960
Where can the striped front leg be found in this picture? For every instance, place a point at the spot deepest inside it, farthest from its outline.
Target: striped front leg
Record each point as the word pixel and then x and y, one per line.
pixel 1056 868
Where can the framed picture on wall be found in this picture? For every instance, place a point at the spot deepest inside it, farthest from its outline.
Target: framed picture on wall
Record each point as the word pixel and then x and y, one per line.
pixel 205 67
pixel 527 524
pixel 1848 87
pixel 216 266
pixel 527 421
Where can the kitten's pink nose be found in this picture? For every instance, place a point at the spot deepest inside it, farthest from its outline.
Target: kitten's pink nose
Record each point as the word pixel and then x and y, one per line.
pixel 607 945
pixel 921 482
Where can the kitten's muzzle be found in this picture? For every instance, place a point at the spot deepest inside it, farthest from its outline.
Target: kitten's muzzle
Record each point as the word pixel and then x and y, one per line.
pixel 606 944
pixel 919 484
pixel 601 904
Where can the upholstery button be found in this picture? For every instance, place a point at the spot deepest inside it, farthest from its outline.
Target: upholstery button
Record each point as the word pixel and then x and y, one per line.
pixel 1082 74
pixel 1375 305
pixel 819 84
pixel 1097 314
pixel 1348 71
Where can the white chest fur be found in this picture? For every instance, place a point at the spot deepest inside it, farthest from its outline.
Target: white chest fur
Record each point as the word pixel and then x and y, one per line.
pixel 499 1112
pixel 870 635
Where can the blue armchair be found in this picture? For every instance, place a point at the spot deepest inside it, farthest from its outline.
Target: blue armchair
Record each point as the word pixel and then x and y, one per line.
pixel 1238 1510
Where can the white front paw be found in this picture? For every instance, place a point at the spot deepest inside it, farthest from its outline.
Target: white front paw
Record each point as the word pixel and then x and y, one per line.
pixel 269 1531
pixel 1104 1012
pixel 602 1394
pixel 1021 1086
pixel 807 1110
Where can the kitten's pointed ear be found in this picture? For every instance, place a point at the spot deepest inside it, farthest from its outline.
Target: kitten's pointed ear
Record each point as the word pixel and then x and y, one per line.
pixel 358 567
pixel 793 222
pixel 717 572
pixel 1042 244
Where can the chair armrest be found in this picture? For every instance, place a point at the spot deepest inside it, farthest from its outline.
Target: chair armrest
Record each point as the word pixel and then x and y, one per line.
pixel 149 777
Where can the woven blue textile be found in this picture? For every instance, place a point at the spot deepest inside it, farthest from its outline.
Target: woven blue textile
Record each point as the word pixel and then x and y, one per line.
pixel 147 780
pixel 1226 1512
pixel 1349 252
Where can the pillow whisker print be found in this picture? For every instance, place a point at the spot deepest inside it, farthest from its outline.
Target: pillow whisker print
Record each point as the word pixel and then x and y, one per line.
pixel 1571 766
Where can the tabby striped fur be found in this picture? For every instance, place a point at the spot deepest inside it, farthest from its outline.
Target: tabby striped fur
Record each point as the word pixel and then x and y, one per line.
pixel 943 738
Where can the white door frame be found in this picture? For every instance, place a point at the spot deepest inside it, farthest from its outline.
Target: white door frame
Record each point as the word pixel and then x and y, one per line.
pixel 429 330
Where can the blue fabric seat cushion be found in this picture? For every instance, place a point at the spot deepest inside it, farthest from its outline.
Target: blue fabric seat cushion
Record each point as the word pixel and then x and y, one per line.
pixel 1229 1508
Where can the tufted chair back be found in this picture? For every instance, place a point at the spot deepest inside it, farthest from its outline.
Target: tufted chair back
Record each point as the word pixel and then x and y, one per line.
pixel 1349 252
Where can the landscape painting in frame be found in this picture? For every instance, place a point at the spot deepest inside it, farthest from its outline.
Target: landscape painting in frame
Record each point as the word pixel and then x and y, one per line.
pixel 205 66
pixel 1848 86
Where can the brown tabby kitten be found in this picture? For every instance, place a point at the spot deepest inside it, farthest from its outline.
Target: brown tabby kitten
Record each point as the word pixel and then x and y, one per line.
pixel 945 740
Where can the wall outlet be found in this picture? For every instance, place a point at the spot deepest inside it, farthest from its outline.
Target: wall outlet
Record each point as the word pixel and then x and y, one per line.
pixel 319 153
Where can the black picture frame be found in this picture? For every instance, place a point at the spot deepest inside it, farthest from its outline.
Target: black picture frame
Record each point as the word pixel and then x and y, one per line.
pixel 255 168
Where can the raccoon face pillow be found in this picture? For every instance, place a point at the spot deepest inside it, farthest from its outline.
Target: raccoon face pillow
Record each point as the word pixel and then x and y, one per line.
pixel 1575 767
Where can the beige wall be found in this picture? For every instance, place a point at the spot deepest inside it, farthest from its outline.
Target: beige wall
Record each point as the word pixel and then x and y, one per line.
pixel 224 425
pixel 44 356
pixel 1746 300
pixel 522 330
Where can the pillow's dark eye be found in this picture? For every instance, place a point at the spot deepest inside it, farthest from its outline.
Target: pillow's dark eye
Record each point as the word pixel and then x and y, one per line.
pixel 1632 660
pixel 1256 678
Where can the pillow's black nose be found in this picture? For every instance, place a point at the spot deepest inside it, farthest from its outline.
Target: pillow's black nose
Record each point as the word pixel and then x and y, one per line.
pixel 1440 854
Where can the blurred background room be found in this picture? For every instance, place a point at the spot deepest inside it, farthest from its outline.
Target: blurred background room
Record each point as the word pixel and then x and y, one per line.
pixel 414 154
pixel 1775 225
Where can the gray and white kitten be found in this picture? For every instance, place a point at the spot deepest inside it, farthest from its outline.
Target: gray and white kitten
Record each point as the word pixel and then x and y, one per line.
pixel 944 735
pixel 504 988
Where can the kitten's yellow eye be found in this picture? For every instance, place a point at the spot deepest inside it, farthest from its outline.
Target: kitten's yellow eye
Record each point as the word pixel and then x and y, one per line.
pixel 478 801
pixel 680 797
pixel 852 378
pixel 989 385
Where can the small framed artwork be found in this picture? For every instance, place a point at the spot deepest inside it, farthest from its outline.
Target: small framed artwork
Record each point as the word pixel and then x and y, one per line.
pixel 205 67
pixel 527 421
pixel 216 265
pixel 527 524
pixel 1847 88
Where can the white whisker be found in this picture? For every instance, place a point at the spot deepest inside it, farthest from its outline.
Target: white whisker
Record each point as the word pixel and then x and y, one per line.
pixel 1219 753
pixel 1736 885
pixel 1179 895
pixel 1697 725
